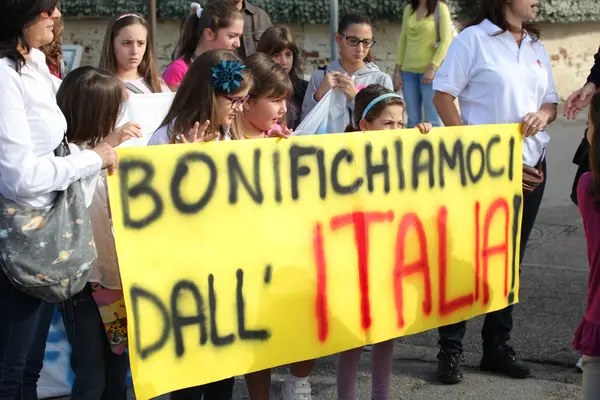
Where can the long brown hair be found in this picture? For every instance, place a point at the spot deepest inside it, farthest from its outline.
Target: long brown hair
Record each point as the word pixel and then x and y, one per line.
pixel 147 68
pixel 53 50
pixel 595 147
pixel 277 39
pixel 216 15
pixel 195 100
pixel 270 79
pixel 495 11
pixel 364 98
pixel 91 101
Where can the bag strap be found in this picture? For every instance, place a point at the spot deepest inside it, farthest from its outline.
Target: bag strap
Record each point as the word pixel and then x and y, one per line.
pixel 147 85
pixel 63 149
pixel 134 88
pixel 436 17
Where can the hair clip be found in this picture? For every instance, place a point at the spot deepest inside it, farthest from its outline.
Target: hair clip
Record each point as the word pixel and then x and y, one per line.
pixel 197 8
pixel 227 75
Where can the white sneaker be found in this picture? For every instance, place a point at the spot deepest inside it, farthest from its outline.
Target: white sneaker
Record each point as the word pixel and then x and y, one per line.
pixel 299 390
pixel 578 365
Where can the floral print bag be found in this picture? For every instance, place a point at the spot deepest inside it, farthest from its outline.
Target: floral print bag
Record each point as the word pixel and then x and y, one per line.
pixel 48 252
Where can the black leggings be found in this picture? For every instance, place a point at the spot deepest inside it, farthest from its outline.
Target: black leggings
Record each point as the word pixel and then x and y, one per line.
pixel 221 390
pixel 498 324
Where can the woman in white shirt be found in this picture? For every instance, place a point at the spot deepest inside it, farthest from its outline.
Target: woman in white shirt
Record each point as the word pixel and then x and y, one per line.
pixel 31 128
pixel 500 73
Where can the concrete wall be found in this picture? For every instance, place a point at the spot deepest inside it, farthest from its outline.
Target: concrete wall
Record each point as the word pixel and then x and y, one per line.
pixel 571 46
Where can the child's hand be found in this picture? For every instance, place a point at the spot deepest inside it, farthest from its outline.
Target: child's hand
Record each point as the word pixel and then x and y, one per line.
pixel 346 84
pixel 328 83
pixel 197 134
pixel 122 134
pixel 284 133
pixel 424 127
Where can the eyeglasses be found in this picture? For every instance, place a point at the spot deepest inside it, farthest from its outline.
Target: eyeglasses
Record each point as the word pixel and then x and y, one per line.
pixel 354 41
pixel 237 101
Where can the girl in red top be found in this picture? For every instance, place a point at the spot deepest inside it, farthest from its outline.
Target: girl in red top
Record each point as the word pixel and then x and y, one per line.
pixel 587 337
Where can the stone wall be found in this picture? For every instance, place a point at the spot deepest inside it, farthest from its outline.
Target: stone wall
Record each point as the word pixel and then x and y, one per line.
pixel 571 46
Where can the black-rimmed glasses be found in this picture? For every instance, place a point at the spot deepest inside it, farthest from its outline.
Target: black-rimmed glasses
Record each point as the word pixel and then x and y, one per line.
pixel 354 41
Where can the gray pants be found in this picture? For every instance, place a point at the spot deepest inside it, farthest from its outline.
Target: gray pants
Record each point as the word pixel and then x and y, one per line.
pixel 591 377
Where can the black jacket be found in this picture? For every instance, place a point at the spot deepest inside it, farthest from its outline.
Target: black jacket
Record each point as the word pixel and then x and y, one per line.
pixel 595 73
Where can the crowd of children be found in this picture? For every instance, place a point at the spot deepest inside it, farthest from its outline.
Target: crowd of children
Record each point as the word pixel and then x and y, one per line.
pixel 261 96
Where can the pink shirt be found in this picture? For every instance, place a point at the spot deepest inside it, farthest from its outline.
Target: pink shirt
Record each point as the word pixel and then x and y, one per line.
pixel 175 72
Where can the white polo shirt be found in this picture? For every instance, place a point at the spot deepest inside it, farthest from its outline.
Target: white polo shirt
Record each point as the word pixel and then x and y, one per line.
pixel 498 82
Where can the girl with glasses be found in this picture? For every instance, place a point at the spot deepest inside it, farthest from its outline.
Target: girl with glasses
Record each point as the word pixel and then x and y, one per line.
pixel 212 94
pixel 206 105
pixel 353 71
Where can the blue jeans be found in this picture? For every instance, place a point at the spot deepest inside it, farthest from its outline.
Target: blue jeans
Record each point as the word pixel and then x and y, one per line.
pixel 24 325
pixel 419 96
pixel 100 374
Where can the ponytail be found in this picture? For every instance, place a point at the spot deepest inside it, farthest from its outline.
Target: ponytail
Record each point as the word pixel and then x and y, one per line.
pixel 217 14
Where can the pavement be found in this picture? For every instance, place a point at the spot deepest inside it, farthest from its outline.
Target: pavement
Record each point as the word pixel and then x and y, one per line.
pixel 552 301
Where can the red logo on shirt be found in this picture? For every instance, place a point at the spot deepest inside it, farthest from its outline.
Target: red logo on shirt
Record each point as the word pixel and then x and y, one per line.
pixel 539 63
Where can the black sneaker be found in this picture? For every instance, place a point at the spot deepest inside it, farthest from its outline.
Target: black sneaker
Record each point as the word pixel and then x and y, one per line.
pixel 449 369
pixel 504 362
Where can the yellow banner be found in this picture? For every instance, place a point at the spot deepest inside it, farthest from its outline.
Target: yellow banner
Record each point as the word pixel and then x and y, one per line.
pixel 242 255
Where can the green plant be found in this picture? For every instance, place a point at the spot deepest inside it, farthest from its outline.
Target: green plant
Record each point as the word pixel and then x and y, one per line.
pixel 317 11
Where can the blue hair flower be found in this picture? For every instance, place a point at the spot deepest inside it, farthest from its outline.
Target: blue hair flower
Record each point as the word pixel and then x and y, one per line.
pixel 227 76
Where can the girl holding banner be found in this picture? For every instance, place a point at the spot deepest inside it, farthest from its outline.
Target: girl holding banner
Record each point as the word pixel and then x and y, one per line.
pixel 376 109
pixel 220 78
pixel 219 25
pixel 126 53
pixel 500 72
pixel 220 106
pixel 267 106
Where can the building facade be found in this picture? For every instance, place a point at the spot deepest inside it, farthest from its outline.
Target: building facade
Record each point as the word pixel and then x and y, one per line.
pixel 571 32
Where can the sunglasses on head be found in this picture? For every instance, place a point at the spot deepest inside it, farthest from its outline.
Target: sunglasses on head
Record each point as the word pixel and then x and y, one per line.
pixel 50 10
